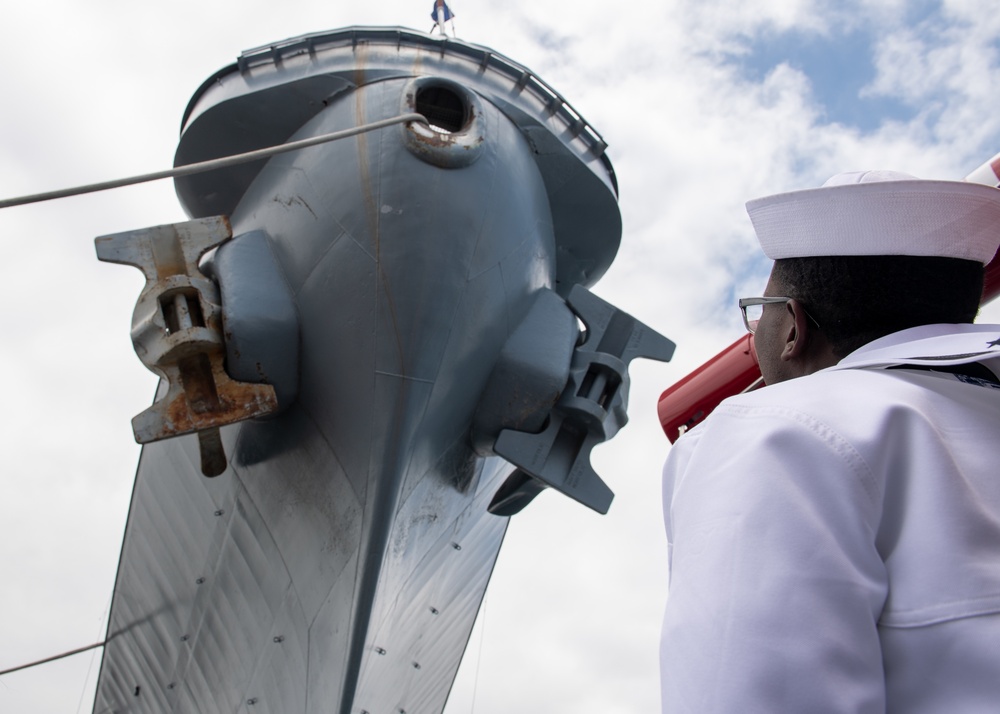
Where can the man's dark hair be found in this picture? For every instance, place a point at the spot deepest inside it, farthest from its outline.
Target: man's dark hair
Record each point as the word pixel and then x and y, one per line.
pixel 858 298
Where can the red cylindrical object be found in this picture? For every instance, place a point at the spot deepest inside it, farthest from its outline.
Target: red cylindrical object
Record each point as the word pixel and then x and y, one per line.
pixel 991 285
pixel 693 398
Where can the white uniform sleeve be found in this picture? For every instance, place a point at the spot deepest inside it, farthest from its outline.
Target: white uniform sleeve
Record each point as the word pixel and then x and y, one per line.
pixel 775 583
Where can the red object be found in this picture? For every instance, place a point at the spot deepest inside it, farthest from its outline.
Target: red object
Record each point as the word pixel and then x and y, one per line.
pixel 690 400
pixel 735 370
pixel 991 284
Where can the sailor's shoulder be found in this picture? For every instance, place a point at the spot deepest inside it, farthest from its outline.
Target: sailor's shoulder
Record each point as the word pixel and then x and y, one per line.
pixel 812 392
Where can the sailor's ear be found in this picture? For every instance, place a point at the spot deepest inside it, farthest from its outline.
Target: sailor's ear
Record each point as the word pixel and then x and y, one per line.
pixel 797 331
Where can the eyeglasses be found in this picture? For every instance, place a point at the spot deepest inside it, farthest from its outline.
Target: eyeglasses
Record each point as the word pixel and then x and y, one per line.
pixel 753 309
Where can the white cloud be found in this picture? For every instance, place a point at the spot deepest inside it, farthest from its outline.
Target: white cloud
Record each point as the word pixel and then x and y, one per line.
pixel 948 68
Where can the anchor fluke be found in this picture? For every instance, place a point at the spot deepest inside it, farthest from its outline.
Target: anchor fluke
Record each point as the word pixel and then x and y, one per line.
pixel 555 394
pixel 177 333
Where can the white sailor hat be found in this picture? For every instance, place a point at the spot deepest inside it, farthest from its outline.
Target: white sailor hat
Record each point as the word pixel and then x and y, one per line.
pixel 880 213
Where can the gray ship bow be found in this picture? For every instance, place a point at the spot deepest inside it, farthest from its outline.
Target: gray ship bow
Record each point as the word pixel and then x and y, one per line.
pixel 372 352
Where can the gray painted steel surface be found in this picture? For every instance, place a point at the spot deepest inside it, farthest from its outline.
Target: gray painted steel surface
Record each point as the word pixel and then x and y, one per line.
pixel 270 92
pixel 339 562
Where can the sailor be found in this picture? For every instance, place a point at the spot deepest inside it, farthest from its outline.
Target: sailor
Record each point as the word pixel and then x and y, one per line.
pixel 835 536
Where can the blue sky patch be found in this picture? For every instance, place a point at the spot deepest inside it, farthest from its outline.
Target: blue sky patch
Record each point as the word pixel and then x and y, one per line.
pixel 838 66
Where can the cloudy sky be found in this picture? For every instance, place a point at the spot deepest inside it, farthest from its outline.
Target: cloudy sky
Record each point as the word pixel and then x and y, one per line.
pixel 704 103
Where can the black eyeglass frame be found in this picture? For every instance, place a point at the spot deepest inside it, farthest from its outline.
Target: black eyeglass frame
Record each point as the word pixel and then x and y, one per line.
pixel 744 303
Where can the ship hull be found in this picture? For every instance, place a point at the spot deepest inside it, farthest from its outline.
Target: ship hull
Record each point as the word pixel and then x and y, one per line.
pixel 340 560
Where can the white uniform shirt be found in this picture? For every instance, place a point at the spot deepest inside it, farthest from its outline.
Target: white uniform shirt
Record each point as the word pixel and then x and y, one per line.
pixel 835 539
